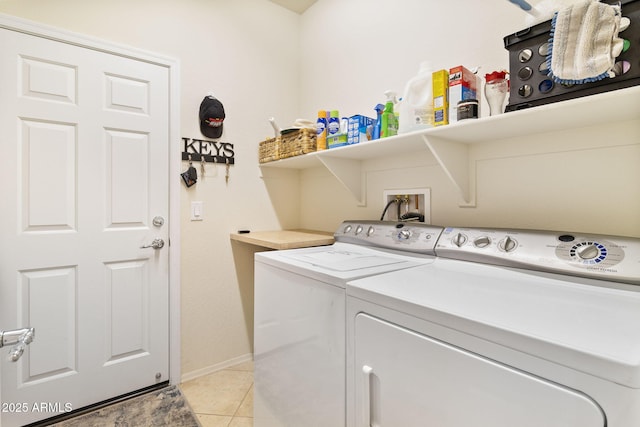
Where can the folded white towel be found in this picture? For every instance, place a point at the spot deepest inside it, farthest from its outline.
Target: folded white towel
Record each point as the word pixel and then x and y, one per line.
pixel 584 42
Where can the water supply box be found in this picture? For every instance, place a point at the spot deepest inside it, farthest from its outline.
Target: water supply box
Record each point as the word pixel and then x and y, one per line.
pixel 463 85
pixel 357 129
pixel 529 84
pixel 440 97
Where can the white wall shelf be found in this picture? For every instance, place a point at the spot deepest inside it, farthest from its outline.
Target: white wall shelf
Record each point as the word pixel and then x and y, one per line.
pixel 450 144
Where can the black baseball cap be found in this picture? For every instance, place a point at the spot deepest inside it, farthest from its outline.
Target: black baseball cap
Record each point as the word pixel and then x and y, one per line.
pixel 211 117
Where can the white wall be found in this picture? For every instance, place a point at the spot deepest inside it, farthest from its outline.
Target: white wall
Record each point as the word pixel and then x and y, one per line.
pixel 355 50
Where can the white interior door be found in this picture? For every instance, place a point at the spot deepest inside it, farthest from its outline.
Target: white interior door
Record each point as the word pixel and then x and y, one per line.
pixel 83 173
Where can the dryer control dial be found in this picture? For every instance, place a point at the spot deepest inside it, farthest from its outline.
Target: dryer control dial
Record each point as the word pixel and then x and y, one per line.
pixel 508 244
pixel 404 234
pixel 591 252
pixel 459 239
pixel 588 251
pixel 482 242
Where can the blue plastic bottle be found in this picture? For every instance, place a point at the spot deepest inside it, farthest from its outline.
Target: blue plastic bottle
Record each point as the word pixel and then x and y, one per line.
pixel 376 128
pixel 333 125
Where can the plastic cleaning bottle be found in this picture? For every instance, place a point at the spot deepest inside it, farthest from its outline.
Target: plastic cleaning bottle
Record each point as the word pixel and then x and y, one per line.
pixel 397 107
pixel 376 128
pixel 321 130
pixel 416 109
pixel 333 125
pixel 389 122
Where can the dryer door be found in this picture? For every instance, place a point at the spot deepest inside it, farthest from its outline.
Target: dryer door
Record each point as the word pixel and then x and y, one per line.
pixel 406 379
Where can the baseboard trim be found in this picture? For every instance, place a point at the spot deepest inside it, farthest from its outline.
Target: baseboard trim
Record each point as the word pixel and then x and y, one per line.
pixel 217 367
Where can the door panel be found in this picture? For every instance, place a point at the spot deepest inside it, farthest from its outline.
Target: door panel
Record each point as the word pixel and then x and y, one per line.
pixel 126 307
pixel 48 80
pixel 406 379
pixel 49 199
pixel 39 291
pixel 127 204
pixel 84 169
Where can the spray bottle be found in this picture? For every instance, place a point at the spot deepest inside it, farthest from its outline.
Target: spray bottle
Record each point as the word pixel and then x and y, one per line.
pixel 376 128
pixel 389 121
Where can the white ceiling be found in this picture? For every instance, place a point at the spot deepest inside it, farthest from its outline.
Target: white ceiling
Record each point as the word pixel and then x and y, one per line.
pixel 298 6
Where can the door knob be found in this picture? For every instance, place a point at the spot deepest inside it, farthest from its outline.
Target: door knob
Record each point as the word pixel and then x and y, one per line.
pixel 155 244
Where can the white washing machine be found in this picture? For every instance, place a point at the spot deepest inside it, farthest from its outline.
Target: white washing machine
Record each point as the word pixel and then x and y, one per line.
pixel 299 317
pixel 503 329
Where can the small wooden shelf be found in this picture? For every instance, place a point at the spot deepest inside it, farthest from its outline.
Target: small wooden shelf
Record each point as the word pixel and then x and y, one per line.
pixel 285 239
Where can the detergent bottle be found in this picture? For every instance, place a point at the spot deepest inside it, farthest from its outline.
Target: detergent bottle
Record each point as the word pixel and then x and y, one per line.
pixel 416 109
pixel 388 120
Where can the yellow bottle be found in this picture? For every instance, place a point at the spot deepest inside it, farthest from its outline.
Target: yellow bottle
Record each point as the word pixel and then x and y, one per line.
pixel 321 131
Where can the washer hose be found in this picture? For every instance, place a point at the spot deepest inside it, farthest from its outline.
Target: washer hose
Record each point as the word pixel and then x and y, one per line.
pixel 410 216
pixel 392 201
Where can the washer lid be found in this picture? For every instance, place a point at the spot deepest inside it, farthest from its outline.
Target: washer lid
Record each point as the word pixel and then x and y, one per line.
pixel 338 263
pixel 576 322
pixel 343 260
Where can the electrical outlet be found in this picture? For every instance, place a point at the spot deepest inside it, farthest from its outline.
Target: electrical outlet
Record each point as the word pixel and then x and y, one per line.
pixel 413 203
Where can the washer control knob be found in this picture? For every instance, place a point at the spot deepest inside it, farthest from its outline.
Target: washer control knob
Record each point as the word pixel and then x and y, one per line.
pixel 508 244
pixel 347 229
pixel 359 229
pixel 588 252
pixel 370 231
pixel 459 239
pixel 404 234
pixel 482 242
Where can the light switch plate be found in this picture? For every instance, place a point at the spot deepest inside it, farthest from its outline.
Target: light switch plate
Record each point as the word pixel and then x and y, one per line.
pixel 197 211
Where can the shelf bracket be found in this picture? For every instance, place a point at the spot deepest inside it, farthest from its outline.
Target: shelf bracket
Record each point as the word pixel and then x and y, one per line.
pixel 349 173
pixel 453 157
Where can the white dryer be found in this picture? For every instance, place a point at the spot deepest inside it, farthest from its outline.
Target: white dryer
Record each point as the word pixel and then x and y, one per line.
pixel 505 328
pixel 299 317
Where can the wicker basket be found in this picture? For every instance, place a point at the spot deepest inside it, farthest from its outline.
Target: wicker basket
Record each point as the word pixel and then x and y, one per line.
pixel 297 143
pixel 268 150
pixel 290 144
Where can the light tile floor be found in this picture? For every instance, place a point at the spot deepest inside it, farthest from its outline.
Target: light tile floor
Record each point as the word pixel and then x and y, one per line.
pixel 223 398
